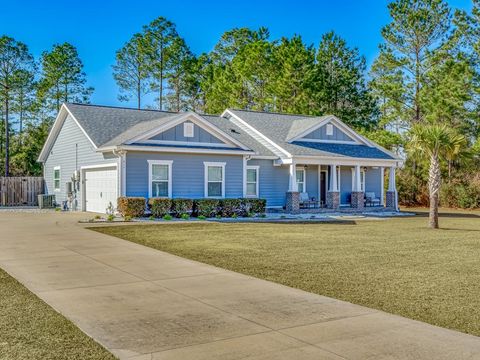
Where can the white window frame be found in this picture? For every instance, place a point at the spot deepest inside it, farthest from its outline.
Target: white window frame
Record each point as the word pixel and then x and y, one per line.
pixel 169 163
pixel 362 179
pixel 302 169
pixel 206 165
pixel 59 178
pixel 329 130
pixel 188 129
pixel 257 183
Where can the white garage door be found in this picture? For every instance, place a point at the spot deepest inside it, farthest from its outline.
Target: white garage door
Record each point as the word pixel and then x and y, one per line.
pixel 100 189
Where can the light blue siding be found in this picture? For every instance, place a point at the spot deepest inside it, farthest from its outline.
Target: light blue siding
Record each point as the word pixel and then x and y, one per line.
pixel 176 134
pixel 373 181
pixel 345 184
pixel 312 181
pixel 321 134
pixel 71 151
pixel 188 176
pixel 273 184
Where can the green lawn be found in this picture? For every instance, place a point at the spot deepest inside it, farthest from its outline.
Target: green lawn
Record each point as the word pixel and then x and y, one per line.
pixel 30 329
pixel 396 265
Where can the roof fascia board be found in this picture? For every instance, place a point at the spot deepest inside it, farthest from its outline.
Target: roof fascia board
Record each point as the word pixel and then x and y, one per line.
pixel 174 150
pixel 57 126
pixel 245 124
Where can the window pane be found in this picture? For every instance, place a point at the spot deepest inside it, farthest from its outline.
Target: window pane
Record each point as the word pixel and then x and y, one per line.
pixel 57 184
pixel 214 173
pixel 56 174
pixel 159 188
pixel 251 175
pixel 252 189
pixel 300 174
pixel 160 172
pixel 215 189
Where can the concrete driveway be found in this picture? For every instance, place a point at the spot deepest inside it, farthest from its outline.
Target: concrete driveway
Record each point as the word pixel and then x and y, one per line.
pixel 142 303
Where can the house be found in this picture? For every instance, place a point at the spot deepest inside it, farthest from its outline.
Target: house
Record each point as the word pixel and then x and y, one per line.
pixel 94 154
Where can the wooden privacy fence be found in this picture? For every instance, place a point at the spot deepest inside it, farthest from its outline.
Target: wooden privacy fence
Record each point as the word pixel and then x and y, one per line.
pixel 20 191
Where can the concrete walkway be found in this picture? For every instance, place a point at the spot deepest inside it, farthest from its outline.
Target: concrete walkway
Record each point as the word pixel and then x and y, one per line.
pixel 142 303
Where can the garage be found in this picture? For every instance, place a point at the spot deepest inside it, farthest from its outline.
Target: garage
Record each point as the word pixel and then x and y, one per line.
pixel 100 188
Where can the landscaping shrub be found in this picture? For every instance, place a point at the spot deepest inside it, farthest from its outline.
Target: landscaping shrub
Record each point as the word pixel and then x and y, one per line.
pixel 229 207
pixel 131 206
pixel 460 194
pixel 160 206
pixel 253 206
pixel 182 206
pixel 206 207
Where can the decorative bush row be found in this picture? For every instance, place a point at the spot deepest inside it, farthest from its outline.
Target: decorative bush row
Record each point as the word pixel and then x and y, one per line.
pixel 159 207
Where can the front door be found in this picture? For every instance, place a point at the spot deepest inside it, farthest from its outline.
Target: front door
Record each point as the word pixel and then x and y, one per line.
pixel 323 187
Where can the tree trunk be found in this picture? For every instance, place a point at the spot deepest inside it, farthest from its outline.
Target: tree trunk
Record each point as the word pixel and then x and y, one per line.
pixel 434 178
pixel 7 138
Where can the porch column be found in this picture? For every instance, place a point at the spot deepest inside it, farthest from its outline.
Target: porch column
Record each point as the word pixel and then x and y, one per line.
pixel 391 200
pixel 292 204
pixel 382 187
pixel 357 197
pixel 333 194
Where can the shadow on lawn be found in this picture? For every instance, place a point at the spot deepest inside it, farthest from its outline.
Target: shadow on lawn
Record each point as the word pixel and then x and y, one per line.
pixel 449 215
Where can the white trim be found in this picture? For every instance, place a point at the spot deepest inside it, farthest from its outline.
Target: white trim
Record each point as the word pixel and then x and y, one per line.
pixel 55 168
pixel 88 167
pixel 206 165
pixel 164 149
pixel 194 118
pixel 170 180
pixel 345 161
pixel 57 126
pixel 301 169
pixel 244 124
pixel 186 143
pixel 257 169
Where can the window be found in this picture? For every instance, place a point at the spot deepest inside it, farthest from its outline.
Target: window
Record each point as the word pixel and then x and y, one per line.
pixel 301 180
pixel 214 179
pixel 362 179
pixel 56 178
pixel 160 178
pixel 329 129
pixel 188 129
pixel 251 187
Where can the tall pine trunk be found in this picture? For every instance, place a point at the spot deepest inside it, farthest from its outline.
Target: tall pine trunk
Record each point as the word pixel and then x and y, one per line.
pixel 434 178
pixel 7 138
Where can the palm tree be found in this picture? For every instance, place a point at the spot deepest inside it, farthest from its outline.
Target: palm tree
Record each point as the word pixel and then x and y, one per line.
pixel 435 142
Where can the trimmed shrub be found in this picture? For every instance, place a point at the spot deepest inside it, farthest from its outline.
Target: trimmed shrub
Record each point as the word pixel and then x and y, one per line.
pixel 206 207
pixel 160 206
pixel 253 206
pixel 182 206
pixel 131 206
pixel 229 207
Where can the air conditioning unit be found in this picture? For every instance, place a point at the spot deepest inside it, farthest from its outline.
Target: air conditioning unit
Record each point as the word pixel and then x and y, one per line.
pixel 46 201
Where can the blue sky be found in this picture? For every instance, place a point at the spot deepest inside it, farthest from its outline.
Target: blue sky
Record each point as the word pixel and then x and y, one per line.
pixel 99 28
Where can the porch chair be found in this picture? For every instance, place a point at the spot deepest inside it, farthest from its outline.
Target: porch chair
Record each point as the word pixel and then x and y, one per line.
pixel 371 199
pixel 306 202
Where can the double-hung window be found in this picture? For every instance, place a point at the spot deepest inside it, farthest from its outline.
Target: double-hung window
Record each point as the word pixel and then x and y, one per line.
pixel 301 180
pixel 160 178
pixel 214 179
pixel 251 186
pixel 56 178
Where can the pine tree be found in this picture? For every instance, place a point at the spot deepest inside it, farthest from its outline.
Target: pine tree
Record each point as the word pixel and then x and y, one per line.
pixel 131 70
pixel 62 78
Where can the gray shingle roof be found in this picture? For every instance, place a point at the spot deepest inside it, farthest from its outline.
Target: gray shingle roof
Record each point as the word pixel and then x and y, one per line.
pixel 104 123
pixel 110 126
pixel 280 127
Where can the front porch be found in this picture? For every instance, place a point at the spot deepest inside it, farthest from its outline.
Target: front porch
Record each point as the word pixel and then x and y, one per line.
pixel 318 188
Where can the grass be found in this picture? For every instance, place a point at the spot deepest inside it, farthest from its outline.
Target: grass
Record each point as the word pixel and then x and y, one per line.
pixel 396 265
pixel 30 329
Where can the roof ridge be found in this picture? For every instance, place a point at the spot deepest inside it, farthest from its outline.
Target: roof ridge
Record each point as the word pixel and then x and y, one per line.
pixel 275 113
pixel 122 107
